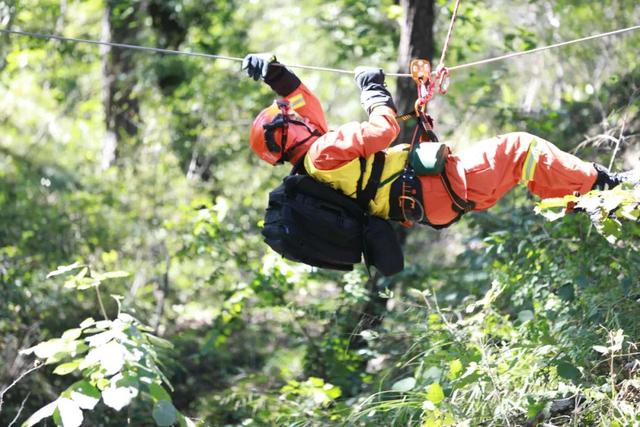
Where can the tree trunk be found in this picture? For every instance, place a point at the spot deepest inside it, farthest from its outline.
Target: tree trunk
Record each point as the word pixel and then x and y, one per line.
pixel 416 41
pixel 7 14
pixel 121 24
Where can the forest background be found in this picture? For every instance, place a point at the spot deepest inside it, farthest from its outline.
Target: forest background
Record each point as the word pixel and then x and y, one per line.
pixel 133 170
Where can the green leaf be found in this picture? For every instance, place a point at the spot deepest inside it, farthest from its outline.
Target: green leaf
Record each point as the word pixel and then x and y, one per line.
pixel 535 407
pixel 62 269
pixel 567 370
pixel 601 349
pixel 42 413
pixel 386 293
pixel 111 275
pixel 525 315
pixel 185 422
pixel 72 334
pixel 67 368
pixel 158 392
pixel 45 349
pixel 86 283
pixel 159 342
pixel 112 357
pixel 455 367
pixel 56 349
pixel 315 381
pixel 84 394
pixel 164 413
pixel 102 383
pixel 70 413
pixel 118 397
pixel 404 385
pixel 435 393
pixel 566 292
pixel 88 322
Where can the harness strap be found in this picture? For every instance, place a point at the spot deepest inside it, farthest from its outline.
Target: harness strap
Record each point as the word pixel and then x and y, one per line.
pixel 364 196
pixel 409 184
pixel 460 205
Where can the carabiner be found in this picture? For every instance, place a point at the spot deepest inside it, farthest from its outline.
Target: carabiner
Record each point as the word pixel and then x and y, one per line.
pixel 442 79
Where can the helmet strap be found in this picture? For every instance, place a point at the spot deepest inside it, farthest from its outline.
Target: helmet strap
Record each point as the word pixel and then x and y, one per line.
pixel 282 120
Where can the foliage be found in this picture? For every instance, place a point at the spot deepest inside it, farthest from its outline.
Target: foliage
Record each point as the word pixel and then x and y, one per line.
pixel 614 213
pixel 118 361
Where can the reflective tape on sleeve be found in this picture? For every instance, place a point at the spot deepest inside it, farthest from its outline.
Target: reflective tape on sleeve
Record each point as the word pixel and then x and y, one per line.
pixel 297 101
pixel 529 166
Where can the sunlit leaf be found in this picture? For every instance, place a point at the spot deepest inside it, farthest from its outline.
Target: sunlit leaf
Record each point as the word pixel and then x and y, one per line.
pixel 67 368
pixel 111 275
pixel 64 269
pixel 455 368
pixel 435 393
pixel 404 385
pixel 42 413
pixel 70 412
pixel 84 394
pixel 118 397
pixel 601 349
pixel 158 392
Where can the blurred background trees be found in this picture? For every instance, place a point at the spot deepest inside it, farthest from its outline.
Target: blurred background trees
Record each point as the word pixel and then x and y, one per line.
pixel 132 161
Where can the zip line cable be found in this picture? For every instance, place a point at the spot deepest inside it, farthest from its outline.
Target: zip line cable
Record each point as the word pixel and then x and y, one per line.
pixel 308 67
pixel 540 49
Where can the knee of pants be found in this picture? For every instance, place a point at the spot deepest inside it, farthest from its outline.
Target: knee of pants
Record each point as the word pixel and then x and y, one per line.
pixel 519 140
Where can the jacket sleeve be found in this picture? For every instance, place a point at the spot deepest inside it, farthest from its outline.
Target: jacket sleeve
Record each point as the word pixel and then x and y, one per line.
pixel 286 84
pixel 354 139
pixel 307 105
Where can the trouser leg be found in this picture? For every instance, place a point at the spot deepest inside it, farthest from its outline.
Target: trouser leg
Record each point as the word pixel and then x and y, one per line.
pixel 492 167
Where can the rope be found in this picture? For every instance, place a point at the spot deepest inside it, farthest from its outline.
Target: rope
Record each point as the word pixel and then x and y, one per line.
pixel 540 49
pixel 446 42
pixel 618 141
pixel 308 67
pixel 118 45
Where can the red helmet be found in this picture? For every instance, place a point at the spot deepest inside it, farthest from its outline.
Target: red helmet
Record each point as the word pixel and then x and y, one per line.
pixel 273 138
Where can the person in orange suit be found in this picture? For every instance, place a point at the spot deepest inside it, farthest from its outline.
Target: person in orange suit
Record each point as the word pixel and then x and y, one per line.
pixel 294 130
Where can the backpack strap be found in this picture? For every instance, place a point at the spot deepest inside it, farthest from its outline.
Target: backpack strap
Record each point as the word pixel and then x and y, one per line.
pixel 299 168
pixel 366 194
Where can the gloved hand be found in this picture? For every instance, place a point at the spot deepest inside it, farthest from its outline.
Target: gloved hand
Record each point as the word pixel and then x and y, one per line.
pixel 374 92
pixel 265 66
pixel 258 65
pixel 366 76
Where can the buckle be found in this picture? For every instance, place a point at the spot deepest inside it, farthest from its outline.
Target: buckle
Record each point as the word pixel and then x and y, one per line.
pixel 409 203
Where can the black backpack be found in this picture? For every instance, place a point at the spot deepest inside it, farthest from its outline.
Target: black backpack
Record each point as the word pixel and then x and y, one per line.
pixel 309 222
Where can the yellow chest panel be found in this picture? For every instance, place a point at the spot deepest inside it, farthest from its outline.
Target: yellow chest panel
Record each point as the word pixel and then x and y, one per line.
pixel 345 178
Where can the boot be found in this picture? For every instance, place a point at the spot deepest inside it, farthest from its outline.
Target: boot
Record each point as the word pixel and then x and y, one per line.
pixel 607 180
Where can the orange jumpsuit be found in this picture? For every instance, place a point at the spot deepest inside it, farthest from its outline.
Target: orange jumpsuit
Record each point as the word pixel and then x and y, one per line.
pixel 482 174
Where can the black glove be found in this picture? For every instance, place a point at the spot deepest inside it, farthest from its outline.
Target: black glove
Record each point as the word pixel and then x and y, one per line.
pixel 266 67
pixel 374 92
pixel 258 64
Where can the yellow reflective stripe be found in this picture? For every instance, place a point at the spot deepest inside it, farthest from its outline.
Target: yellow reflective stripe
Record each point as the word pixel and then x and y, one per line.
pixel 297 101
pixel 529 167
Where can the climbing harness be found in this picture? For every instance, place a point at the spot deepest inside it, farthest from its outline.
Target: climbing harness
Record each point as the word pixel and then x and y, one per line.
pixel 427 156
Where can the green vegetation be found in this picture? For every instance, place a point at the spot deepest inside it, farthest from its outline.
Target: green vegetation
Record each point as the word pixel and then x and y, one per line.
pixel 132 172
